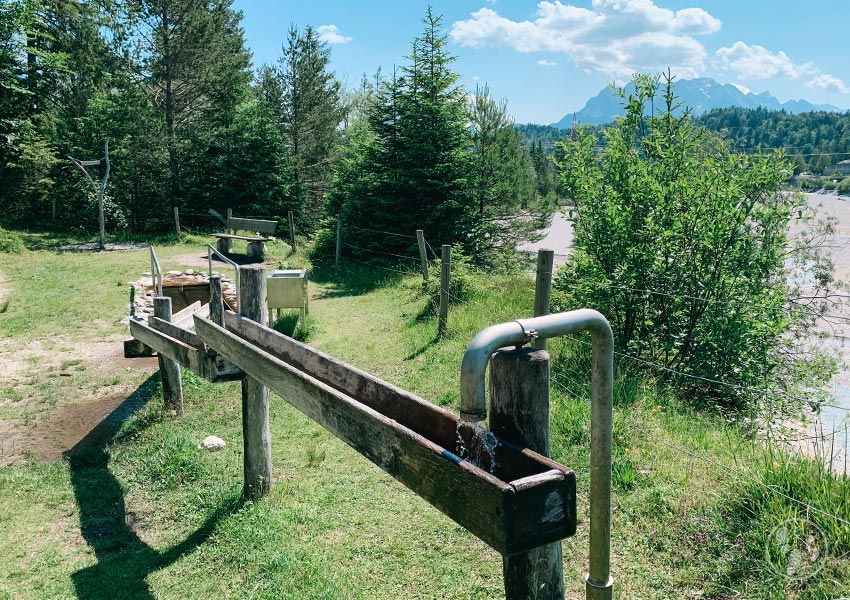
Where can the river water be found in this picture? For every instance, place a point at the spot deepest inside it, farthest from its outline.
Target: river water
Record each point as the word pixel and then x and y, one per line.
pixel 833 423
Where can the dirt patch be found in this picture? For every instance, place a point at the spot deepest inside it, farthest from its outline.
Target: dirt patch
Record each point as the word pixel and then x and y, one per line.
pixel 76 425
pixel 198 259
pixel 33 430
pixel 108 247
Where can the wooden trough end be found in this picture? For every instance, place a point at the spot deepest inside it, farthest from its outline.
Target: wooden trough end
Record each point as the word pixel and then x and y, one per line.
pixel 184 347
pixel 517 502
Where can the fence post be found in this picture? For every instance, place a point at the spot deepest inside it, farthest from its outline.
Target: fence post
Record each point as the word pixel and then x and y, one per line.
pixel 543 288
pixel 216 302
pixel 177 220
pixel 229 216
pixel 338 241
pixel 292 230
pixel 423 258
pixel 445 276
pixel 169 370
pixel 257 453
pixel 519 413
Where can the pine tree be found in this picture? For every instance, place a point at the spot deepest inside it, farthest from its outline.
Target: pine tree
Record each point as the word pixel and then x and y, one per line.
pixel 502 182
pixel 307 100
pixel 192 62
pixel 414 168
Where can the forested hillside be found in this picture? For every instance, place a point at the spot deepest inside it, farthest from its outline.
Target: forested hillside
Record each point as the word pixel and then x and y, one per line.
pixel 812 140
pixel 190 125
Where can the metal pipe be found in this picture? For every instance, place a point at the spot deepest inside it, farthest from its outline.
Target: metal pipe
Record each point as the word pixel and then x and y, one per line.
pixel 210 252
pixel 156 273
pixel 598 582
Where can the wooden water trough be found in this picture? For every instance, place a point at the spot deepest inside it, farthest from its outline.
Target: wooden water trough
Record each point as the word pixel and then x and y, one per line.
pixel 175 340
pixel 514 501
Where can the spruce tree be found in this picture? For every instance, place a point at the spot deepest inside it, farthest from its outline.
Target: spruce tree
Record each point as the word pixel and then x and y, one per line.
pixel 414 169
pixel 502 182
pixel 310 109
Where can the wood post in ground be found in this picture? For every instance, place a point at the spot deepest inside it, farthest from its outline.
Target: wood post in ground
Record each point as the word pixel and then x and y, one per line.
pixel 423 258
pixel 338 241
pixel 229 216
pixel 292 230
pixel 177 220
pixel 169 370
pixel 216 301
pixel 519 413
pixel 543 288
pixel 257 453
pixel 445 276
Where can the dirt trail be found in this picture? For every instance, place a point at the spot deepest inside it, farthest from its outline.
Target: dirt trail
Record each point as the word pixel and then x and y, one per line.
pixel 29 374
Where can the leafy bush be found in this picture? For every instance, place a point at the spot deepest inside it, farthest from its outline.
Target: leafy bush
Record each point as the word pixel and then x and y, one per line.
pixel 682 244
pixel 10 242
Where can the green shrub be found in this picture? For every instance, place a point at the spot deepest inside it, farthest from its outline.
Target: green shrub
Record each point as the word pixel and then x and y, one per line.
pixel 10 242
pixel 682 245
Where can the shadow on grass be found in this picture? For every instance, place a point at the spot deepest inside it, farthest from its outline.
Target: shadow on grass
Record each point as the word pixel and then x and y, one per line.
pixel 353 280
pixel 123 559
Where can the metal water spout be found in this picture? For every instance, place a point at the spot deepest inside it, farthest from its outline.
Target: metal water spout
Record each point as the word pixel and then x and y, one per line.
pixel 599 583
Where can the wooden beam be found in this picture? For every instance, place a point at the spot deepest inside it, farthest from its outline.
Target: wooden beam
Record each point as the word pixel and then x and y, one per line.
pixel 411 439
pixel 178 333
pixel 257 225
pixel 169 369
pixel 256 431
pixel 519 413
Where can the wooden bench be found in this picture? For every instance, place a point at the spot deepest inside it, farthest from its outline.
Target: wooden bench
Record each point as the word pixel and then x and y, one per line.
pixel 256 243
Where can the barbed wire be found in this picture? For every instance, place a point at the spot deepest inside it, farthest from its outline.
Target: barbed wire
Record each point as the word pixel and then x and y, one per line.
pixel 353 247
pixel 727 469
pixel 744 388
pixel 401 235
pixel 734 301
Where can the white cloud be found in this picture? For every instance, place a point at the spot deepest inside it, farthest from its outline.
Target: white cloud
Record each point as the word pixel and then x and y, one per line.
pixel 547 63
pixel 615 37
pixel 828 82
pixel 757 62
pixel 331 34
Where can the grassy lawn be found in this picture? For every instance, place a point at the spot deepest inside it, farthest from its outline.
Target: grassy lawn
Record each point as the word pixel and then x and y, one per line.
pixel 136 510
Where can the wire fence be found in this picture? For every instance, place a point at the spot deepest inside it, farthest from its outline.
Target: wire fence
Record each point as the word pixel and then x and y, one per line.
pixel 725 469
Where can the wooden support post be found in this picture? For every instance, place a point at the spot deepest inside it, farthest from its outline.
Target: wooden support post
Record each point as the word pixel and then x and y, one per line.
pixel 543 288
pixel 229 216
pixel 292 230
pixel 519 413
pixel 216 302
pixel 169 370
pixel 445 276
pixel 177 220
pixel 423 258
pixel 338 241
pixel 257 457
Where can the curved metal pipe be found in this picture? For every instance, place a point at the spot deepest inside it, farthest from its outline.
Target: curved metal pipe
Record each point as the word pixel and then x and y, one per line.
pixel 599 583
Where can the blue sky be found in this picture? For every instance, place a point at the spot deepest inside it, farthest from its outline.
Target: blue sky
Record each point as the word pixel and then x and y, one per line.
pixel 547 58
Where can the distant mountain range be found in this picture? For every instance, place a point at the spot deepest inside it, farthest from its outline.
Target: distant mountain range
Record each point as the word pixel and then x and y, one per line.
pixel 700 95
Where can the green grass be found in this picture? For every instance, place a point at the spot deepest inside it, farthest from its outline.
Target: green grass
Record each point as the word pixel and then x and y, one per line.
pixel 146 514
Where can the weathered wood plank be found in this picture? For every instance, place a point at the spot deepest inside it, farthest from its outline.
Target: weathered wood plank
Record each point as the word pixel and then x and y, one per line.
pixel 184 354
pixel 186 321
pixel 249 238
pixel 185 313
pixel 178 333
pixel 256 431
pixel 479 501
pixel 207 365
pixel 169 370
pixel 258 225
pixel 419 415
pixel 519 413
